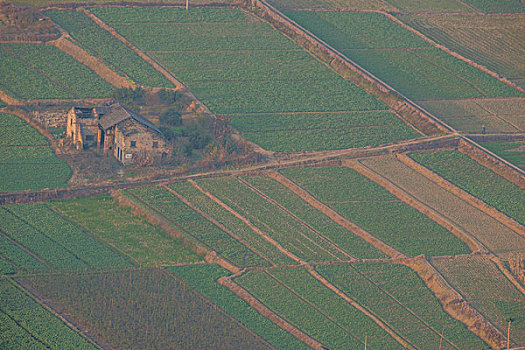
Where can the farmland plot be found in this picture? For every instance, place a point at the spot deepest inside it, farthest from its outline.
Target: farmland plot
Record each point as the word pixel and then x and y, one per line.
pixel 24 324
pixel 145 244
pixel 513 152
pixel 430 5
pixel 239 66
pixel 204 279
pixel 44 72
pixel 418 74
pixel 343 238
pixel 144 309
pixel 102 44
pixel 26 160
pixel 198 228
pixel 495 236
pixel 293 235
pixel 313 308
pixel 479 181
pixel 52 241
pixel 497 6
pixel 331 4
pixel 487 289
pixel 374 209
pixel 420 321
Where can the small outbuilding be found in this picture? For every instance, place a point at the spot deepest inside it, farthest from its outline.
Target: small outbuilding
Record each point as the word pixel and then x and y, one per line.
pixel 114 128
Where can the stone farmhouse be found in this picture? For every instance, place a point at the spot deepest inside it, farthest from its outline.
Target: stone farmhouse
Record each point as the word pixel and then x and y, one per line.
pixel 113 128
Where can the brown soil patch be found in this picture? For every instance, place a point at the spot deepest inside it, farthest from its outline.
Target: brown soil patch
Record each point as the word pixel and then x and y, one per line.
pixel 8 99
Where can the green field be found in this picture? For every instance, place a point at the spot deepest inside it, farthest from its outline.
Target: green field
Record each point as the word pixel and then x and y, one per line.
pixel 303 301
pixel 101 43
pixel 513 152
pixel 25 324
pixel 240 66
pixel 344 239
pixel 26 160
pixel 203 278
pixel 293 235
pixel 477 180
pixel 331 4
pixel 419 74
pixel 397 295
pixel 145 244
pixel 497 6
pixel 430 5
pixel 44 72
pixel 142 309
pixel 487 289
pixel 231 222
pixel 380 213
pixel 57 244
pixel 196 227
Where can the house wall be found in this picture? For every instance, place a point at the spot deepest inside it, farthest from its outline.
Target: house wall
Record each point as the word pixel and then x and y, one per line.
pixel 144 139
pixel 82 131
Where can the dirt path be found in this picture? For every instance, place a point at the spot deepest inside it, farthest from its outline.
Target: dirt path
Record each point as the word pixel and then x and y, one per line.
pixel 467 197
pixel 96 65
pixel 473 244
pixel 336 216
pixel 269 314
pixel 8 99
pixel 510 277
pixel 218 224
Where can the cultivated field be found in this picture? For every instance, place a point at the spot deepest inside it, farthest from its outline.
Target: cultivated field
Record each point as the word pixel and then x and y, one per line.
pixel 142 309
pixel 331 4
pixel 397 295
pixel 44 72
pixel 316 310
pixel 241 67
pixel 477 180
pixel 102 44
pixel 143 243
pixel 196 227
pixel 374 209
pixel 25 324
pixel 495 236
pixel 497 6
pixel 39 239
pixel 513 152
pixel 487 289
pixel 204 279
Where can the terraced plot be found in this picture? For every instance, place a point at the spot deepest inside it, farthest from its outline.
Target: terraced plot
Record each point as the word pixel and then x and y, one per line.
pixel 102 44
pixel 513 152
pixel 493 41
pixel 142 309
pixel 479 181
pixel 331 4
pixel 487 289
pixel 430 5
pixel 344 239
pixel 204 279
pixel 145 244
pixel 418 74
pixel 37 239
pixel 374 209
pixel 25 324
pixel 495 236
pixel 497 6
pixel 294 235
pixel 196 227
pixel 471 115
pixel 44 72
pixel 397 295
pixel 239 66
pixel 313 308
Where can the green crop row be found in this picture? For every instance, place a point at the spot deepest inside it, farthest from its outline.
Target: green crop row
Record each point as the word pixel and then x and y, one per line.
pixel 279 225
pixel 62 245
pixel 479 181
pixel 303 301
pixel 6 268
pixel 204 279
pixel 102 44
pixel 197 227
pixel 147 245
pixel 28 155
pixel 61 69
pixel 513 152
pixel 374 209
pixel 234 224
pixel 16 132
pixel 20 260
pixel 421 328
pixel 343 238
pixel 24 324
pixel 498 6
pixel 19 177
pixel 347 30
